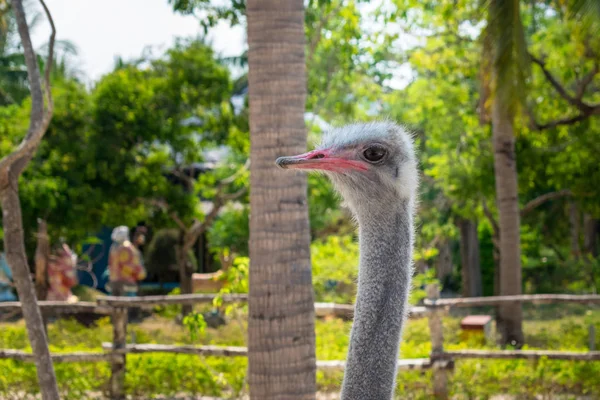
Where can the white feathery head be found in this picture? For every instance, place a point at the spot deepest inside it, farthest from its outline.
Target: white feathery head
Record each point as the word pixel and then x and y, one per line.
pixel 395 176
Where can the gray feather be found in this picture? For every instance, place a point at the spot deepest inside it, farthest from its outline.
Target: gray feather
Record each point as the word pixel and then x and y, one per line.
pixel 383 201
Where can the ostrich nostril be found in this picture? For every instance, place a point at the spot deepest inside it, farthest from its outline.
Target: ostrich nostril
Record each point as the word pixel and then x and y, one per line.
pixel 318 155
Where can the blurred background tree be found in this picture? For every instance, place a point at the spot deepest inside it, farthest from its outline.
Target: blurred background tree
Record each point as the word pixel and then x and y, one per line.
pixel 124 150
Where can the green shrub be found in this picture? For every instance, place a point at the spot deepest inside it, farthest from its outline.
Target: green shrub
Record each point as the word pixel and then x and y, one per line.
pixel 231 230
pixel 335 269
pixel 160 257
pixel 166 374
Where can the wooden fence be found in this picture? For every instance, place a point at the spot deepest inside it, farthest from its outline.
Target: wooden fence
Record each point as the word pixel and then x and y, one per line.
pixel 440 360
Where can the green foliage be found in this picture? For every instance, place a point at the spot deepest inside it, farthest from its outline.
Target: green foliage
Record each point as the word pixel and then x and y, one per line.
pixel 420 282
pixel 230 232
pixel 447 104
pixel 546 327
pixel 210 13
pixel 196 325
pixel 236 276
pixel 506 47
pixel 236 280
pixel 550 274
pixel 171 310
pixel 110 154
pixel 335 269
pixel 325 215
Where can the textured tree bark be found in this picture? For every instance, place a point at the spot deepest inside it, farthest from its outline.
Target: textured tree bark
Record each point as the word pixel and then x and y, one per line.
pixel 281 337
pixel 443 267
pixel 17 259
pixel 11 167
pixel 509 319
pixel 591 226
pixel 434 319
pixel 575 229
pixel 185 272
pixel 42 254
pixel 118 362
pixel 470 262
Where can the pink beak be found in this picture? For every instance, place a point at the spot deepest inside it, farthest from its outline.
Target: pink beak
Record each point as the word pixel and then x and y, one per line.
pixel 320 160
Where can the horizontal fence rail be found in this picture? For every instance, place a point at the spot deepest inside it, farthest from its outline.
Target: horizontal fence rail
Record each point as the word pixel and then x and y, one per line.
pixel 214 351
pixel 182 299
pixel 406 364
pixel 526 298
pixel 521 354
pixel 105 305
pixel 60 307
pixel 321 309
pixel 20 355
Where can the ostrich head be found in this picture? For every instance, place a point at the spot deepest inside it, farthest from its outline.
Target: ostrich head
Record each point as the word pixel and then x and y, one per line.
pixel 371 165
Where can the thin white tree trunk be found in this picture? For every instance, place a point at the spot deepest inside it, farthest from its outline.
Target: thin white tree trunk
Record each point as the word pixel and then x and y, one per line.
pixel 11 167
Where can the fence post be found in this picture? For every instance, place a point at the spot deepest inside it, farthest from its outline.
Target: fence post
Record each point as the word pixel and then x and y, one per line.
pixel 117 377
pixel 592 337
pixel 440 373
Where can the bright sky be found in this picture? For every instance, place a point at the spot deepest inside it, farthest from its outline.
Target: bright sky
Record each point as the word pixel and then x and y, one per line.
pixel 103 29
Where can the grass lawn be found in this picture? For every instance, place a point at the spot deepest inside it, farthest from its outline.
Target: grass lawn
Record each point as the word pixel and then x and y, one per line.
pixel 546 327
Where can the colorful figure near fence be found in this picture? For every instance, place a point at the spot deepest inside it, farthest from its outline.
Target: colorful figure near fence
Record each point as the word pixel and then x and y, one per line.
pixel 62 274
pixel 6 292
pixel 124 263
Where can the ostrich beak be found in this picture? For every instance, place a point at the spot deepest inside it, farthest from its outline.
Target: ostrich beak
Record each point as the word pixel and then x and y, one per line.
pixel 322 160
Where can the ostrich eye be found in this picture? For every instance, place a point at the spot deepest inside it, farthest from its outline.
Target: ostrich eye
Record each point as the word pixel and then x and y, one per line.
pixel 374 153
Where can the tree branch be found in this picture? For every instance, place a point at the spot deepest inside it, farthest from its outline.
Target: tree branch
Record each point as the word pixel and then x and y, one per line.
pixel 563 121
pixel 47 88
pixel 237 173
pixel 538 201
pixel 178 221
pixel 586 80
pixel 574 101
pixel 490 217
pixel 317 38
pixel 233 196
pixel 198 227
pixel 39 119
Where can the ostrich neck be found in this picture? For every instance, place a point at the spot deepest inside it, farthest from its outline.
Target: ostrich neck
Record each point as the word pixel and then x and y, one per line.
pixel 384 280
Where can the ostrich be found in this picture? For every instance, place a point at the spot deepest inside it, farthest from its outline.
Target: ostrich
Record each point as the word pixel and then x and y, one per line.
pixel 374 168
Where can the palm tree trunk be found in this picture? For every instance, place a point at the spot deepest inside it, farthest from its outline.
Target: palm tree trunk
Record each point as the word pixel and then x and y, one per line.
pixel 281 337
pixel 470 260
pixel 510 316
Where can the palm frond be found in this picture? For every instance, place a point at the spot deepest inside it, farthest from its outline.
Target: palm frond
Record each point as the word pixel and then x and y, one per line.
pixel 587 11
pixel 62 46
pixel 236 61
pixel 511 63
pixel 485 77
